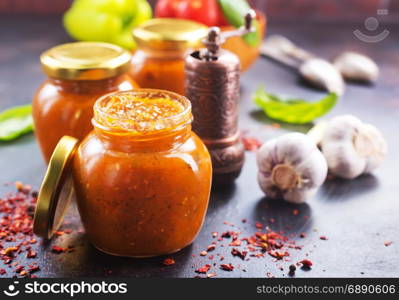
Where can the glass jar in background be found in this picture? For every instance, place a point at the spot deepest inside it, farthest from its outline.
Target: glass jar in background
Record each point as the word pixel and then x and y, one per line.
pixel 78 74
pixel 162 45
pixel 142 178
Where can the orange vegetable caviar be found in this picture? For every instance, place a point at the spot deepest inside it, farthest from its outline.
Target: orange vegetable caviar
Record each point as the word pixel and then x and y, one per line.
pixel 63 105
pixel 142 178
pixel 162 45
pixel 166 73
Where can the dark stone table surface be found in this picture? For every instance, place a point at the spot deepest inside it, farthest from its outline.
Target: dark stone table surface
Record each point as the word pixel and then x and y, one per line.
pixel 357 216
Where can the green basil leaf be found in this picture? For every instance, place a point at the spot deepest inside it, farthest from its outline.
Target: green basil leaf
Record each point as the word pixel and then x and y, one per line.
pixel 235 11
pixel 294 111
pixel 15 122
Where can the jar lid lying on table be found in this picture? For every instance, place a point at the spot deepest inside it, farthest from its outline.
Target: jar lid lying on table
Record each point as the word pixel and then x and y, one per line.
pixel 56 191
pixel 170 34
pixel 85 61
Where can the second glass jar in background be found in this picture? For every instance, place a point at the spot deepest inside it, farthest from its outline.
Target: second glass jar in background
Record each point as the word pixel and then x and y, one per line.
pixel 78 74
pixel 162 45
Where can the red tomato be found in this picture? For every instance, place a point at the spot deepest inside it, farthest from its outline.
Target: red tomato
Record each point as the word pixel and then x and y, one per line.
pixel 166 8
pixel 202 11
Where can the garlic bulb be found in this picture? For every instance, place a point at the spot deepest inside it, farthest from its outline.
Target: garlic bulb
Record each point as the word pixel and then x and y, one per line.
pixel 352 147
pixel 356 66
pixel 322 74
pixel 291 167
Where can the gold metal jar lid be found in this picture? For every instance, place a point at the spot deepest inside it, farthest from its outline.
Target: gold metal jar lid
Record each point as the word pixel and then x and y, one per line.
pixel 56 191
pixel 170 34
pixel 85 61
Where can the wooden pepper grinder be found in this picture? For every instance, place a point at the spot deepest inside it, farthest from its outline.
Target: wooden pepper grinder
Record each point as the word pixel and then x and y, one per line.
pixel 213 86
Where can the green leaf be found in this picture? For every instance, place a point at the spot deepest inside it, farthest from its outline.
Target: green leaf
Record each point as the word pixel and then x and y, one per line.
pixel 294 111
pixel 235 11
pixel 15 122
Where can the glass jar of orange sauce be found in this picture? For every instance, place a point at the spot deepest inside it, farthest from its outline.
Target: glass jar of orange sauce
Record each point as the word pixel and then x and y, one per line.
pixel 78 74
pixel 162 45
pixel 142 178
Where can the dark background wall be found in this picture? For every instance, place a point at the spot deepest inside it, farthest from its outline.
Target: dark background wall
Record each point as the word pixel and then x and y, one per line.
pixel 279 9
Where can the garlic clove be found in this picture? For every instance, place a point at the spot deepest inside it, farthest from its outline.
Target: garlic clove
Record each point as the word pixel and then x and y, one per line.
pixel 291 167
pixel 321 73
pixel 351 147
pixel 356 66
pixel 379 146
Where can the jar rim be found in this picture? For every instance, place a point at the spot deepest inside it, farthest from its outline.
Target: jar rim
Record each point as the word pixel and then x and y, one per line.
pixel 122 125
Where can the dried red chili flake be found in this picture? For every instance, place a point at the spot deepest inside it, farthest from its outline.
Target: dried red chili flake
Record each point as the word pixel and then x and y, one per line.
pixel 302 235
pixel 323 238
pixel 251 144
pixel 31 254
pixel 295 212
pixel 306 263
pixel 3 271
pixel 235 243
pixel 240 254
pixel 203 269
pixel 19 269
pixel 388 243
pixel 226 234
pixel 58 249
pixel 278 254
pixel 211 248
pixel 9 251
pixel 168 262
pixel 244 220
pixel 227 267
pixel 258 225
pixel 33 269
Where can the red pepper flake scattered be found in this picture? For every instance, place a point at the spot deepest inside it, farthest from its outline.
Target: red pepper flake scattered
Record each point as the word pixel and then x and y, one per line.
pixel 240 254
pixel 236 243
pixel 19 269
pixel 3 271
pixel 227 267
pixel 306 263
pixel 244 220
pixel 259 225
pixel 302 235
pixel 203 269
pixel 388 243
pixel 168 262
pixel 295 212
pixel 16 222
pixel 251 144
pixel 211 248
pixel 31 254
pixel 58 249
pixel 278 254
pixel 324 238
pixel 34 268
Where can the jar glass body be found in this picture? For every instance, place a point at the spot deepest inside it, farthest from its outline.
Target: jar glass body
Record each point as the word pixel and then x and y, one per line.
pixel 65 107
pixel 142 196
pixel 159 69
